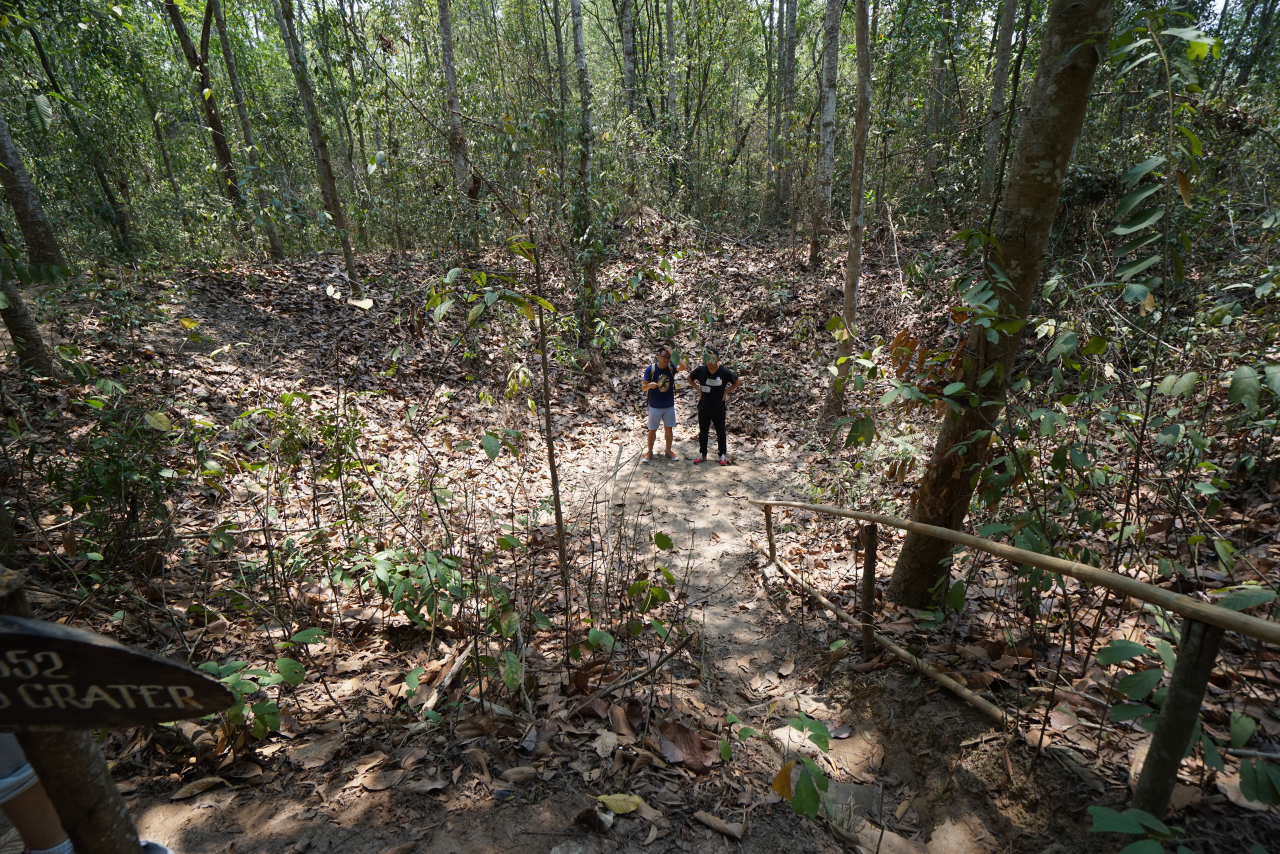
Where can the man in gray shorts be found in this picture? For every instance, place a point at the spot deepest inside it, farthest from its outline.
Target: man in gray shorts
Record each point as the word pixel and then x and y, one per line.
pixel 659 383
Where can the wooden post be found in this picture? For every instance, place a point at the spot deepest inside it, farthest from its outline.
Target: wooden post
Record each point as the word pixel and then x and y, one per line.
pixel 870 541
pixel 768 531
pixel 72 768
pixel 1196 655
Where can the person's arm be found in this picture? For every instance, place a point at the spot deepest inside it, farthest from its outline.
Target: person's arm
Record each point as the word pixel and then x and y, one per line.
pixel 645 385
pixel 737 381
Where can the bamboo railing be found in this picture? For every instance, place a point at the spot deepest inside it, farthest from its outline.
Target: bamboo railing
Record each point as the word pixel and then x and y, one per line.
pixel 1198 650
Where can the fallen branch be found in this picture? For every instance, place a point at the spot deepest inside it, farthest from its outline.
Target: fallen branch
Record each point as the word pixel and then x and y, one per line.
pixel 623 683
pixel 987 708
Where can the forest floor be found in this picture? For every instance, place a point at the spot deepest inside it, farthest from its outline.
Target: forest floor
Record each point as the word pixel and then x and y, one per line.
pixel 353 767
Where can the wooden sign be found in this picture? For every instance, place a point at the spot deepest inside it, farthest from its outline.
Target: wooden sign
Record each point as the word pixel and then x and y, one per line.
pixel 55 677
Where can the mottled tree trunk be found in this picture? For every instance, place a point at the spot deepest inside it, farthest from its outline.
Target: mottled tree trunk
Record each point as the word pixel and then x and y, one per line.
pixel 246 127
pixel 457 140
pixel 324 165
pixel 788 105
pixel 827 130
pixel 37 232
pixel 857 215
pixel 199 63
pixel 29 346
pixel 1055 114
pixel 996 109
pixel 627 23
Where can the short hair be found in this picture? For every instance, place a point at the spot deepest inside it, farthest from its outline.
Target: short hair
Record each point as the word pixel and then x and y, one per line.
pixel 664 350
pixel 712 350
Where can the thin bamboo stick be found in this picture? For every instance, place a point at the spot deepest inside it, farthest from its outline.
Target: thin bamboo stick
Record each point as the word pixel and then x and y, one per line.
pixel 1214 615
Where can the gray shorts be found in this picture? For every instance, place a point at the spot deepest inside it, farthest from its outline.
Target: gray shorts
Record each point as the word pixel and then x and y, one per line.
pixel 662 416
pixel 16 774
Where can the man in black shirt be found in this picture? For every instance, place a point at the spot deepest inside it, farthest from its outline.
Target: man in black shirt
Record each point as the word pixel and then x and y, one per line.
pixel 714 383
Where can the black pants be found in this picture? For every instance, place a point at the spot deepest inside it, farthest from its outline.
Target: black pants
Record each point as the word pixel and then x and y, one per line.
pixel 707 415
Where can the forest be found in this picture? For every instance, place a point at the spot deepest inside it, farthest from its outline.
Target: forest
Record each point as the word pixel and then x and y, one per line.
pixel 327 335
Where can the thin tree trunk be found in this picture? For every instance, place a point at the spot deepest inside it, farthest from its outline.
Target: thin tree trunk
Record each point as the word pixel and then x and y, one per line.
pixel 324 165
pixel 788 105
pixel 827 134
pixel 1261 45
pixel 37 231
pixel 1230 55
pixel 164 154
pixel 626 15
pixel 118 211
pixel 582 207
pixel 995 112
pixel 1046 139
pixel 28 344
pixel 857 216
pixel 671 70
pixel 199 63
pixel 276 248
pixel 457 141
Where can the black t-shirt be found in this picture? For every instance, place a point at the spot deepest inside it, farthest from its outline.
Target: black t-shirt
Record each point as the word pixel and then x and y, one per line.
pixel 712 384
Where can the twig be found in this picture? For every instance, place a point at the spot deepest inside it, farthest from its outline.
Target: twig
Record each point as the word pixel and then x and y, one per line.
pixel 614 686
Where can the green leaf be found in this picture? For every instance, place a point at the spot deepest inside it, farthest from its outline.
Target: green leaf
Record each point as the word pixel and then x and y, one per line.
pixel 1245 387
pixel 1128 711
pixel 1125 272
pixel 1096 344
pixel 1135 174
pixel 292 671
pixel 1064 346
pixel 1121 650
pixel 663 542
pixel 805 800
pixel 726 751
pixel 1109 821
pixel 512 671
pixel 1136 293
pixel 40 113
pixel 955 596
pixel 746 732
pixel 491 444
pixel 158 421
pixel 1140 220
pixel 1242 727
pixel 1196 148
pixel 597 638
pixel 1273 378
pixel 308 636
pixel 1186 384
pixel 1137 243
pixel 1129 202
pixel 1143 846
pixel 1135 686
pixel 1249 597
pixel 953 388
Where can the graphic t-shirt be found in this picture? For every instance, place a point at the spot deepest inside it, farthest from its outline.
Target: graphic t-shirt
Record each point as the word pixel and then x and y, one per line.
pixel 664 396
pixel 712 384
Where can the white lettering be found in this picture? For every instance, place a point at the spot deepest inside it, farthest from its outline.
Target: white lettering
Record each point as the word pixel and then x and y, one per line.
pixel 24 693
pixel 63 694
pixel 123 691
pixel 147 690
pixel 182 697
pixel 95 694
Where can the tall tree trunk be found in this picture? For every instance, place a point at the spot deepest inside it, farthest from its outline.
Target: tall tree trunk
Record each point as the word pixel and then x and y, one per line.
pixel 857 216
pixel 246 127
pixel 582 207
pixel 627 21
pixel 120 214
pixel 1261 44
pixel 933 118
pixel 1229 57
pixel 37 232
pixel 457 141
pixel 199 63
pixel 1048 134
pixel 788 105
pixel 995 111
pixel 164 155
pixel 827 131
pixel 29 346
pixel 671 71
pixel 324 165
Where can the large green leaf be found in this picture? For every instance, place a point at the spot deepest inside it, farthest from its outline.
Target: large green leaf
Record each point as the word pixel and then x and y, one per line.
pixel 1109 821
pixel 1064 346
pixel 1135 174
pixel 1131 201
pixel 1242 727
pixel 1121 650
pixel 292 671
pixel 1245 387
pixel 1135 686
pixel 1249 597
pixel 1140 220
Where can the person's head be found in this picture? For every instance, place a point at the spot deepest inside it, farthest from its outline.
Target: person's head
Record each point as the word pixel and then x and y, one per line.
pixel 664 356
pixel 710 358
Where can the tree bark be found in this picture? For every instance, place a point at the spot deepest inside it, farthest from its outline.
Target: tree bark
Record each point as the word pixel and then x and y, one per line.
pixel 1230 55
pixel 1261 45
pixel 1055 113
pixel 671 70
pixel 457 140
pixel 246 128
pixel 788 105
pixel 995 111
pixel 199 63
pixel 324 165
pixel 827 131
pixel 627 22
pixel 37 231
pixel 582 207
pixel 857 216
pixel 28 344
